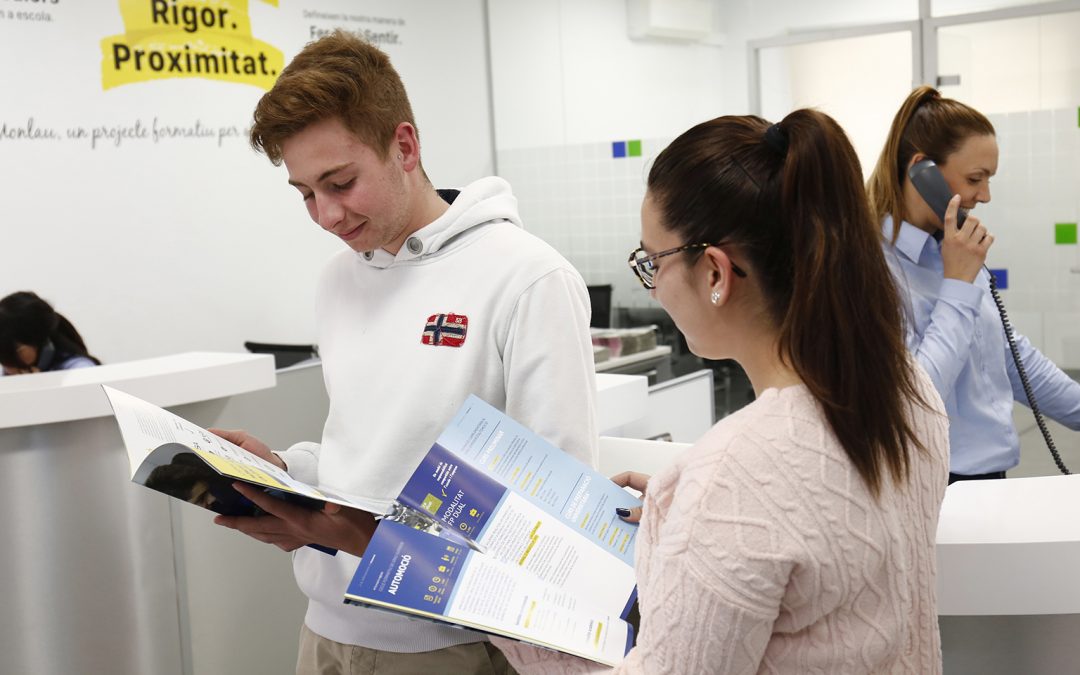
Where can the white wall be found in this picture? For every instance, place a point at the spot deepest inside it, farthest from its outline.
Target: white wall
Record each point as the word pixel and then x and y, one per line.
pixel 566 72
pixel 153 248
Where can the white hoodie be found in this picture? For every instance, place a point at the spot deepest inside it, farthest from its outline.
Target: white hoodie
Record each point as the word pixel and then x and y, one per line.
pixel 526 350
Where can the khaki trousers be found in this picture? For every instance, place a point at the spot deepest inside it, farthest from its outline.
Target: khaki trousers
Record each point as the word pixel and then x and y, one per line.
pixel 319 656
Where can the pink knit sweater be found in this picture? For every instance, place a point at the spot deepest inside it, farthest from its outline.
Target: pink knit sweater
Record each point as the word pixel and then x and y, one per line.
pixel 762 551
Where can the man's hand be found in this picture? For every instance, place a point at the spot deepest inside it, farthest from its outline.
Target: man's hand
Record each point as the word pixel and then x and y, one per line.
pixel 635 481
pixel 289 526
pixel 963 250
pixel 251 444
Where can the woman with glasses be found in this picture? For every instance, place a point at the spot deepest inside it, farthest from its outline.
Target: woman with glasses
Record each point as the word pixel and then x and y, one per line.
pixel 798 534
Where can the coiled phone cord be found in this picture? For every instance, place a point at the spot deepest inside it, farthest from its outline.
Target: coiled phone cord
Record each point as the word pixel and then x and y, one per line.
pixel 1024 378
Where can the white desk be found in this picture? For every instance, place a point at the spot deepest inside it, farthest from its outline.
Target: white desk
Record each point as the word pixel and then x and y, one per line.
pixel 1009 576
pixel 620 400
pixel 1009 547
pixel 68 395
pixel 88 575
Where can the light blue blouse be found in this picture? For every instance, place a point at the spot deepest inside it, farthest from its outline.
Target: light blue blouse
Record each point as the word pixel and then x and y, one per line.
pixel 75 362
pixel 955 332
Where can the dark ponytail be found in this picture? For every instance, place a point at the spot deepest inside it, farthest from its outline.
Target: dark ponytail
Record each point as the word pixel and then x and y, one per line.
pixel 791 198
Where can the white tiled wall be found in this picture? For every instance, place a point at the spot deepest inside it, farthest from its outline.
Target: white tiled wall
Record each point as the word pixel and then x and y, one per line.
pixel 586 203
pixel 1037 186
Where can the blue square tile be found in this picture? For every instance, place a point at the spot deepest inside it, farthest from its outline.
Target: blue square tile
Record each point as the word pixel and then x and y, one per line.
pixel 618 149
pixel 1001 278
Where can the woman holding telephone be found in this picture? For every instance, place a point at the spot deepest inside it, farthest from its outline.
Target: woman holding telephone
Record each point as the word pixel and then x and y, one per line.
pixel 938 255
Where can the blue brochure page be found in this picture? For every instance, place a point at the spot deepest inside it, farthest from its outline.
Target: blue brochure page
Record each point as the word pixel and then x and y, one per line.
pixel 542 474
pixel 412 571
pixel 518 533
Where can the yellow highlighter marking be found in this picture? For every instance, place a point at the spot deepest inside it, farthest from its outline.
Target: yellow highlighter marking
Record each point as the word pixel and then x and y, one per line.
pixel 532 541
pixel 528 550
pixel 234 469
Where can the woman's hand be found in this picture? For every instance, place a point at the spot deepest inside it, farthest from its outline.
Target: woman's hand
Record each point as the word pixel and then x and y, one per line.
pixel 635 481
pixel 963 250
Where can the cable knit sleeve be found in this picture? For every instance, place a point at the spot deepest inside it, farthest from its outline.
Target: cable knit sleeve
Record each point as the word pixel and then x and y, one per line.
pixel 762 550
pixel 712 581
pixel 724 556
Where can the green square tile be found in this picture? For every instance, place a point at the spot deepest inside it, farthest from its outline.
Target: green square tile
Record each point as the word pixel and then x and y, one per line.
pixel 634 148
pixel 1065 233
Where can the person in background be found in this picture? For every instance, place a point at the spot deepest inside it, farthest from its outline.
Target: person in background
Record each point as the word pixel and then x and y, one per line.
pixel 798 534
pixel 954 328
pixel 35 338
pixel 438 294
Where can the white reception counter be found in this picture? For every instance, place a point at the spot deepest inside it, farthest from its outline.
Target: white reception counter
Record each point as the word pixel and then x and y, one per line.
pixel 1010 547
pixel 1008 563
pixel 89 570
pixel 69 395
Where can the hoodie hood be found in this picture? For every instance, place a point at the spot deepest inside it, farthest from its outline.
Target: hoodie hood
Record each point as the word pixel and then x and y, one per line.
pixel 484 201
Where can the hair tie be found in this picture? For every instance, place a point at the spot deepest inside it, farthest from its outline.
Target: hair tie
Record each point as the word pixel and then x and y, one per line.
pixel 777 139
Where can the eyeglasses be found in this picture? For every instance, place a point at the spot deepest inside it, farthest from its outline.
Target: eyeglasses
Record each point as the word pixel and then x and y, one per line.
pixel 644 265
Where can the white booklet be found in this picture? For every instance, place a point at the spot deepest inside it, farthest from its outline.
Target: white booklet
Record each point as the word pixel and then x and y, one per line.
pixel 173 456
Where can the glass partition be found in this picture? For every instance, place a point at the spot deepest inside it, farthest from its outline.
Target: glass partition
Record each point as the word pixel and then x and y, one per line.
pixel 1012 65
pixel 860 81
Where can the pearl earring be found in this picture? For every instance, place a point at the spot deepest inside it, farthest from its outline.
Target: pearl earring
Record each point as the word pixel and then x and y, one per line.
pixel 715 297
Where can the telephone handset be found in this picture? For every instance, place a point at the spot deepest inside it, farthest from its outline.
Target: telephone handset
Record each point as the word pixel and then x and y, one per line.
pixel 46 356
pixel 931 186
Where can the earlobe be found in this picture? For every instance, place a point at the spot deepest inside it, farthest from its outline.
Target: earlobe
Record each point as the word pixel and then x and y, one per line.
pixel 720 274
pixel 407 146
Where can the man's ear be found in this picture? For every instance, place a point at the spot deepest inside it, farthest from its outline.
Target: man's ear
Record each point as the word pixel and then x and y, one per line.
pixel 720 275
pixel 406 146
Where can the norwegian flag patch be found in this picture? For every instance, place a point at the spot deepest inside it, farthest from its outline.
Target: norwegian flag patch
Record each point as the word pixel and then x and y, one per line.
pixel 445 330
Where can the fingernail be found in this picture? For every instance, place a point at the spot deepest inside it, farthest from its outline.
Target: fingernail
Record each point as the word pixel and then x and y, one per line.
pixel 623 513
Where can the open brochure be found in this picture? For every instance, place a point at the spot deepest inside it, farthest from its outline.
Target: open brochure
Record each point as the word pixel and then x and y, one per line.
pixel 499 531
pixel 171 455
pixel 496 530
